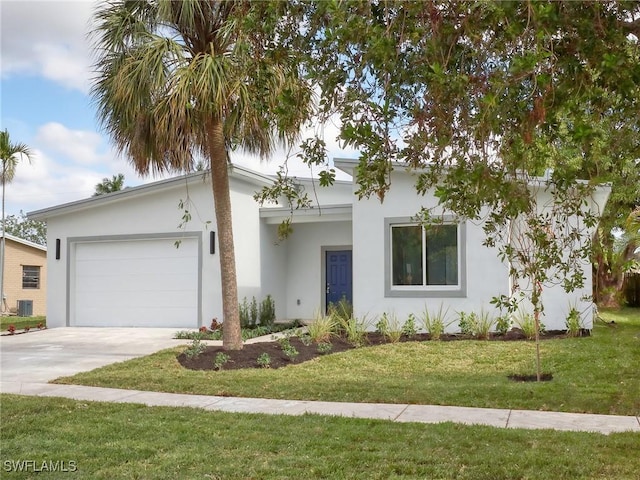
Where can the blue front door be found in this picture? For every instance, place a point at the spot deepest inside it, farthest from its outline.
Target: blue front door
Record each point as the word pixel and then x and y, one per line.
pixel 338 274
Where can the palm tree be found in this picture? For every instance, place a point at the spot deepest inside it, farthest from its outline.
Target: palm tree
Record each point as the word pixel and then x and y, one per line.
pixel 614 263
pixel 179 81
pixel 11 154
pixel 110 185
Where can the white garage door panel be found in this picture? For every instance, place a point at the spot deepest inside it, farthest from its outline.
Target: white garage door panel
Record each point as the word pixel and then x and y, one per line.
pixel 146 282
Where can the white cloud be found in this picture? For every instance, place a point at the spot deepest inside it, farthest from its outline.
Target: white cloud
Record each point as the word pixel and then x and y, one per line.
pixel 80 146
pixel 47 38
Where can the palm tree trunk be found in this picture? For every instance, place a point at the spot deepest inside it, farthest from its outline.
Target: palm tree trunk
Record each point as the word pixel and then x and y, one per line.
pixel 231 335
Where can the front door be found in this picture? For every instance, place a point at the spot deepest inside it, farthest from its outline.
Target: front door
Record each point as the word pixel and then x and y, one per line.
pixel 338 274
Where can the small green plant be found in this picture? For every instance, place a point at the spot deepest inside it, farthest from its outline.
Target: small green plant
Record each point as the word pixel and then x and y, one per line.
pixel 264 360
pixel 253 312
pixel 206 335
pixel 525 322
pixel 483 325
pixel 288 349
pixel 434 322
pixel 267 312
pixel 389 327
pixel 219 360
pixel 341 310
pixel 305 339
pixel 195 348
pixel 574 323
pixel 243 312
pixel 354 330
pixel 503 323
pixel 322 328
pixel 324 348
pixel 467 322
pixel 410 329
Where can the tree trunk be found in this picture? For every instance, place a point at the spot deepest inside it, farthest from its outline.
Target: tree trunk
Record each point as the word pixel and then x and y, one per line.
pixel 231 334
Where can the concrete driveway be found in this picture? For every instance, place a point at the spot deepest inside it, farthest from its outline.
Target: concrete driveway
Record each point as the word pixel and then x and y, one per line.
pixel 41 356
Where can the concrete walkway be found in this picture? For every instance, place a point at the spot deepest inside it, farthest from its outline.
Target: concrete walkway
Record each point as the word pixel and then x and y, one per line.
pixel 29 361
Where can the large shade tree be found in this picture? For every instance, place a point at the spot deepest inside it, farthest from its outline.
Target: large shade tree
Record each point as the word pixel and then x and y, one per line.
pixel 477 99
pixel 11 154
pixel 178 82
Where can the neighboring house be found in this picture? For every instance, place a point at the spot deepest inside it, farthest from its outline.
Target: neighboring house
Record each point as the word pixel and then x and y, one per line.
pixel 116 262
pixel 25 275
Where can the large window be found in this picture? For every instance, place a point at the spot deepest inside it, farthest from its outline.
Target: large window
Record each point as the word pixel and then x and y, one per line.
pixel 424 261
pixel 30 277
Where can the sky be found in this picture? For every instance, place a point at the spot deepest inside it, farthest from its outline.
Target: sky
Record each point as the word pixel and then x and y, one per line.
pixel 45 79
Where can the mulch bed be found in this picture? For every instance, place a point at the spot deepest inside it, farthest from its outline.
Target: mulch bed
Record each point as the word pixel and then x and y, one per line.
pixel 248 356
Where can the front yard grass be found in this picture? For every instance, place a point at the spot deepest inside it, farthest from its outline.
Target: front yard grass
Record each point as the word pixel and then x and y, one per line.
pixel 134 441
pixel 21 322
pixel 597 374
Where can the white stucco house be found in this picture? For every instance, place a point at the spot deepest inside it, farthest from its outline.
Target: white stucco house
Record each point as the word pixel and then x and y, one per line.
pixel 113 259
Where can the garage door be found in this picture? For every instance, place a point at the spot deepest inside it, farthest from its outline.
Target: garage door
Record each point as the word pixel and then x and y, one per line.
pixel 135 283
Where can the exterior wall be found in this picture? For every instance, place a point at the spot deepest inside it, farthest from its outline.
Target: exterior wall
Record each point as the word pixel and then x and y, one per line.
pixel 556 301
pixel 486 276
pixel 155 213
pixel 17 255
pixel 304 264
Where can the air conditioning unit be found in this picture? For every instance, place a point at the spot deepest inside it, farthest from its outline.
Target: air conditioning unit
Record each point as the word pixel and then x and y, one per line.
pixel 25 308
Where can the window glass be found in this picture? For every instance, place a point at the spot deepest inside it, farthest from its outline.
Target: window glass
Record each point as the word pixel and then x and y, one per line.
pixel 407 252
pixel 442 255
pixel 30 277
pixel 424 257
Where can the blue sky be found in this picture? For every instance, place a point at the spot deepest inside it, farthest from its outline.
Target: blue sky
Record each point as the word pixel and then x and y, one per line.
pixel 45 71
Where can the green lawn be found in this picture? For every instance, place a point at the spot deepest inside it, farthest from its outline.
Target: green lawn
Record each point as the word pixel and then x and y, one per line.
pixel 597 374
pixel 21 322
pixel 130 441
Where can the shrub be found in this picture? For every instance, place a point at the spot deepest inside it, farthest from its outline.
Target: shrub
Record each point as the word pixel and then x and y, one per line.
pixel 466 322
pixel 215 325
pixel 322 328
pixel 243 311
pixel 11 329
pixel 324 348
pixel 434 322
pixel 253 312
pixel 264 360
pixel 202 329
pixel 219 360
pixel 526 322
pixel 503 323
pixel 267 312
pixel 288 349
pixel 341 311
pixel 409 328
pixel 389 328
pixel 354 330
pixel 195 348
pixel 574 323
pixel 305 339
pixel 27 328
pixel 483 326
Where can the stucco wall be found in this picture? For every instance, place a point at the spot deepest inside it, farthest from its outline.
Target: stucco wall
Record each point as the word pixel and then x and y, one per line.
pixel 16 256
pixel 158 212
pixel 304 264
pixel 486 276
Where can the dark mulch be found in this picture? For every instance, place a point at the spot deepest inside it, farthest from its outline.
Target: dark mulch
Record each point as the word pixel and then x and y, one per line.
pixel 248 356
pixel 544 377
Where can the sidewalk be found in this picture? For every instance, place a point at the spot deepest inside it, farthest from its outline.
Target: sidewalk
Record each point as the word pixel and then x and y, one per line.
pixel 29 361
pixel 529 419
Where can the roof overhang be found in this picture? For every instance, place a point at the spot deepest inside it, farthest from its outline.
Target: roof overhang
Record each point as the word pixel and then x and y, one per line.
pixel 331 213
